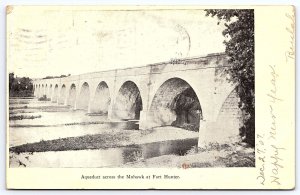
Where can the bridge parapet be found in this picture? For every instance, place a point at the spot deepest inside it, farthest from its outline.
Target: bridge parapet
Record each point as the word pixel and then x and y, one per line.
pixel 215 61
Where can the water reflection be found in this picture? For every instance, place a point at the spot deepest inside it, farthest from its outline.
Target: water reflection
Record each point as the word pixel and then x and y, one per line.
pixel 150 150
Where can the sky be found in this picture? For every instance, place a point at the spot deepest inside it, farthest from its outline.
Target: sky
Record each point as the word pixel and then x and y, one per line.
pixel 54 41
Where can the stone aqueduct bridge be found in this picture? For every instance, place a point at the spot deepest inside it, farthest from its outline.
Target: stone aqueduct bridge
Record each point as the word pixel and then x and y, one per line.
pixel 183 92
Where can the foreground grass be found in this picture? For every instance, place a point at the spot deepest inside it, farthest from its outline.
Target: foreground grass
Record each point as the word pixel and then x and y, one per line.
pixel 96 141
pixel 50 108
pixel 118 134
pixel 21 117
pixel 59 125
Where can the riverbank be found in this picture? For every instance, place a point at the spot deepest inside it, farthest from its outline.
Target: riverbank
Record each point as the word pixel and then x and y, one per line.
pixel 131 143
pixel 106 139
pixel 227 155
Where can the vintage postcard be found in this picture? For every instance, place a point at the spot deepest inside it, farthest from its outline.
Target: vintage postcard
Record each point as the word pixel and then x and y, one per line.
pixel 150 97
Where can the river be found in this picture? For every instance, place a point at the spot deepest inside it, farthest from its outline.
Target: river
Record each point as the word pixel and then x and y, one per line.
pixel 42 120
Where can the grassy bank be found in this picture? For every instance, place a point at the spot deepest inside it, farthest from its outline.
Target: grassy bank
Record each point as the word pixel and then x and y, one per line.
pixel 97 141
pixel 58 125
pixel 109 138
pixel 226 155
pixel 21 117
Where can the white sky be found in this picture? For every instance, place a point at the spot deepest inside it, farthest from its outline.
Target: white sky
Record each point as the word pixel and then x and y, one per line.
pixel 54 42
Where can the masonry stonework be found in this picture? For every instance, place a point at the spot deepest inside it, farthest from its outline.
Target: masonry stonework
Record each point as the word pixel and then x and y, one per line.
pixel 195 91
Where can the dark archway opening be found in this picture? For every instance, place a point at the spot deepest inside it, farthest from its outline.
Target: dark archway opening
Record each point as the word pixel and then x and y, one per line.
pixel 62 96
pixel 39 91
pixel 176 103
pixel 50 91
pixel 46 91
pixel 128 103
pixel 43 91
pixel 101 100
pixel 55 93
pixel 188 110
pixel 72 96
pixel 84 97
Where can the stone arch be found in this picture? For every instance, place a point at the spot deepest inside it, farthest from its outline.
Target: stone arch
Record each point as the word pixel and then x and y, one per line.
pixel 50 91
pixel 84 97
pixel 46 90
pixel 128 103
pixel 62 95
pixel 72 96
pixel 36 90
pixel 175 103
pixel 55 93
pixel 43 90
pixel 101 99
pixel 39 91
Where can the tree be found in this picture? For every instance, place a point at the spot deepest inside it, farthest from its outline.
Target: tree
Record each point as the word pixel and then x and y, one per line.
pixel 20 86
pixel 239 33
pixel 11 80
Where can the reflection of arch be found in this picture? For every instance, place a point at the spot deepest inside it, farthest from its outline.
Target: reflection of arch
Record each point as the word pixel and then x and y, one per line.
pixel 128 102
pixel 55 93
pixel 72 96
pixel 84 97
pixel 101 99
pixel 176 103
pixel 62 95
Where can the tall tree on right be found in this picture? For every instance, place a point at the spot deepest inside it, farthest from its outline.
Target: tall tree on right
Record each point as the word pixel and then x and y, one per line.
pixel 239 34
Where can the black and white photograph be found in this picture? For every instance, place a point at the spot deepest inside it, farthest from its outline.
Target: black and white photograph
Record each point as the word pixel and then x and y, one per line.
pixel 141 88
